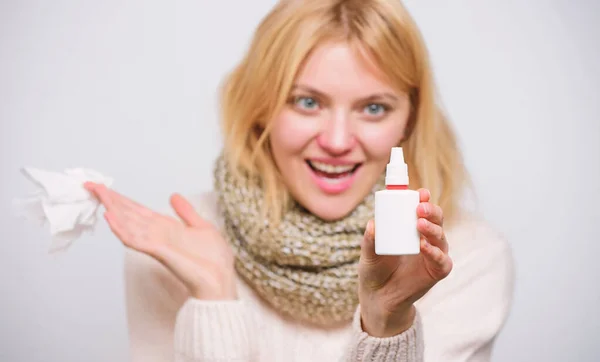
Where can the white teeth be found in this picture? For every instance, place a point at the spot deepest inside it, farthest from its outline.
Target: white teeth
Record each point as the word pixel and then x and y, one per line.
pixel 335 180
pixel 324 167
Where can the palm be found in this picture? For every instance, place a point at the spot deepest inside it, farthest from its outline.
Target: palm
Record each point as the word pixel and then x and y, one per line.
pixel 205 248
pixel 420 269
pixel 391 272
pixel 194 250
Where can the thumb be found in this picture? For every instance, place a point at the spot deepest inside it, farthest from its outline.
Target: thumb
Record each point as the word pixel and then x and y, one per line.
pixel 186 212
pixel 367 247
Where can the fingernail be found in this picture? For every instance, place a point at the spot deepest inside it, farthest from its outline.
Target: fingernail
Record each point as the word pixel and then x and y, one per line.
pixel 369 229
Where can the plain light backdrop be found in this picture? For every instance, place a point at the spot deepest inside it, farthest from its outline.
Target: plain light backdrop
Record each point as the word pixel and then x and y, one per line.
pixel 129 89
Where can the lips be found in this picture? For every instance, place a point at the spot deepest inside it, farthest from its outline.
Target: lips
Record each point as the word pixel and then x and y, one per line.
pixel 333 178
pixel 332 171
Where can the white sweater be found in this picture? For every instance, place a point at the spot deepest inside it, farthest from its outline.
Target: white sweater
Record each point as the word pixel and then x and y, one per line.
pixel 457 320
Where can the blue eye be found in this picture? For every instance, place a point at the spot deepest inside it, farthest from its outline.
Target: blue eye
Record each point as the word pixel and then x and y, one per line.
pixel 375 109
pixel 307 103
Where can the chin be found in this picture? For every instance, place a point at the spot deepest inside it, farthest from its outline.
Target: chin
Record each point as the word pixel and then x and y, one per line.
pixel 331 208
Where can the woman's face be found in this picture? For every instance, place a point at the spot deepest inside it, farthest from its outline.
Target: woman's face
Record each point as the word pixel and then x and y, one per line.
pixel 332 140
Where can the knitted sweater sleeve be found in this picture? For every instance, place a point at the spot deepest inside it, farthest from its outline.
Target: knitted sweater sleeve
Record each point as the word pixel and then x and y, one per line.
pixel 405 347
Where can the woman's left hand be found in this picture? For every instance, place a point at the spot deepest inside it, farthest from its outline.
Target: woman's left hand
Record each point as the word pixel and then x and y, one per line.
pixel 389 285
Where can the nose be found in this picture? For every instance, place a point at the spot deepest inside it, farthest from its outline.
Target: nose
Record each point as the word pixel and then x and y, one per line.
pixel 337 136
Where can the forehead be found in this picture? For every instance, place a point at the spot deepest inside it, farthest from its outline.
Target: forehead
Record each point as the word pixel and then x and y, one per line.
pixel 338 68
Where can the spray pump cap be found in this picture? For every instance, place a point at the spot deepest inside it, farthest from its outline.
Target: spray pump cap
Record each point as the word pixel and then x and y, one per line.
pixel 397 170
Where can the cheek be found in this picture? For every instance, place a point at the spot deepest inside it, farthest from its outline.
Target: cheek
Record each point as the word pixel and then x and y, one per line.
pixel 379 138
pixel 291 132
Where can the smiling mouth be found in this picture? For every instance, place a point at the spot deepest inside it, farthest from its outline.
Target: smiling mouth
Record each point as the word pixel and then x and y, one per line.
pixel 332 173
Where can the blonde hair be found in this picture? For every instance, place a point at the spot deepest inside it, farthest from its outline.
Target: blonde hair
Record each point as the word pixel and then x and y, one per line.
pixel 382 31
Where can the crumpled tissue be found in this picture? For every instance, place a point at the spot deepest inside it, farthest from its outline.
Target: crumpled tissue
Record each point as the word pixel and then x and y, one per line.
pixel 61 200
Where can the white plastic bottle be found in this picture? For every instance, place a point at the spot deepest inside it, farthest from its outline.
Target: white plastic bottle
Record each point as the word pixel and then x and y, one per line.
pixel 396 211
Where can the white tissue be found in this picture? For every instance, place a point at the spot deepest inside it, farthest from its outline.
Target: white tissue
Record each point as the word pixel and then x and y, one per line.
pixel 61 200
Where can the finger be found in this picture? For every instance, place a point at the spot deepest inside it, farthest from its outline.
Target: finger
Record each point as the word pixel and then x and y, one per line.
pixel 101 192
pixel 122 202
pixel 433 233
pixel 439 263
pixel 431 212
pixel 125 202
pixel 187 213
pixel 89 185
pixel 131 204
pixel 367 247
pixel 110 198
pixel 424 195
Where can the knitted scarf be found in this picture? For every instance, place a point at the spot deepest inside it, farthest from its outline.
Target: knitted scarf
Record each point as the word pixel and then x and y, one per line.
pixel 304 267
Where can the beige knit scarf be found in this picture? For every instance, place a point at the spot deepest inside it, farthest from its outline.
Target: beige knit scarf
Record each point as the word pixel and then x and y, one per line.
pixel 304 267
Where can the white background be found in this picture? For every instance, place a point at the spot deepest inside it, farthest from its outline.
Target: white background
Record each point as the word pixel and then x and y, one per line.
pixel 129 88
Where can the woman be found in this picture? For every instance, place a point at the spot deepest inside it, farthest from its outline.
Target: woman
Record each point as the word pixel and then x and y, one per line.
pixel 278 263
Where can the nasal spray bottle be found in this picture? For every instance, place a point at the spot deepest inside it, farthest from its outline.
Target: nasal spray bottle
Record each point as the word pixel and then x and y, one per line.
pixel 396 211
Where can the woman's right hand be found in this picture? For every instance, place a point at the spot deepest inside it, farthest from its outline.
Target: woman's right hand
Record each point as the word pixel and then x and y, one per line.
pixel 193 249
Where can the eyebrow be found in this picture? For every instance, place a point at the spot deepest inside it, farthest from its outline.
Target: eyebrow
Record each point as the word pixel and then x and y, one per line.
pixel 369 98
